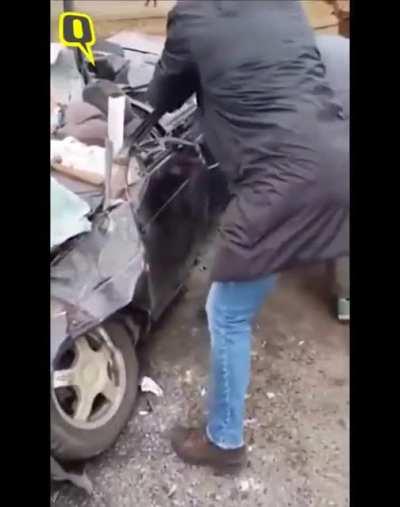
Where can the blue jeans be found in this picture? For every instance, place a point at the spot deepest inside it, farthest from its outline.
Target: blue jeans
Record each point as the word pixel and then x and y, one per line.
pixel 231 308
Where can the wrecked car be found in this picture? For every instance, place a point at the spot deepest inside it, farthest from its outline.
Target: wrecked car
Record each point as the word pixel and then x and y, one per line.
pixel 121 247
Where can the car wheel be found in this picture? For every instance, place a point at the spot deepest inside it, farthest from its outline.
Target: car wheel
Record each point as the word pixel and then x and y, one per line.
pixel 93 391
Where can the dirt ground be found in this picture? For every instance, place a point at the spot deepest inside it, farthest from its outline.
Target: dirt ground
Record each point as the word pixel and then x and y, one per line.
pixel 297 415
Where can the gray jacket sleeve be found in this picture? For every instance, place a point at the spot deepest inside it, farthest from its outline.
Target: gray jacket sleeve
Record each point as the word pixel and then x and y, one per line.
pixel 175 77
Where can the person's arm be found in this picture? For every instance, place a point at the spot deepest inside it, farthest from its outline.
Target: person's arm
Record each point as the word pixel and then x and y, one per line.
pixel 175 77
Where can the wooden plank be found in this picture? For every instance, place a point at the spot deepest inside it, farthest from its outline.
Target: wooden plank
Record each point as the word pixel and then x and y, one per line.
pixel 321 15
pixel 341 9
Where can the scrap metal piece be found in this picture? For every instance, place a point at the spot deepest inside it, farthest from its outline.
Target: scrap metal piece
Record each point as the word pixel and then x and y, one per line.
pixel 148 385
pixel 66 82
pixel 60 474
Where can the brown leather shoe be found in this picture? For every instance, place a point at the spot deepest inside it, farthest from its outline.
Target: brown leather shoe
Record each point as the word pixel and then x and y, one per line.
pixel 193 447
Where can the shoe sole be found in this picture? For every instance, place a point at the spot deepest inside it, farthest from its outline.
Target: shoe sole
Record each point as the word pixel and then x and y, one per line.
pixel 219 469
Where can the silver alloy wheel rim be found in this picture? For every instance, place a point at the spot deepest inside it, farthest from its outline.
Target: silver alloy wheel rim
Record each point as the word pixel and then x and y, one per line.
pixel 89 392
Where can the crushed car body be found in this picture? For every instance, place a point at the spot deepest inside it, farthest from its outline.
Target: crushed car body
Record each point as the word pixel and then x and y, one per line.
pixel 123 242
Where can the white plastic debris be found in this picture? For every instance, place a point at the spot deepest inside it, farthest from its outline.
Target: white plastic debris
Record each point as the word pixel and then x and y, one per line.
pixel 250 484
pixel 244 485
pixel 143 412
pixel 115 121
pixel 55 50
pixel 249 422
pixel 203 391
pixel 147 385
pixel 172 491
pixel 270 395
pixel 301 343
pixel 55 497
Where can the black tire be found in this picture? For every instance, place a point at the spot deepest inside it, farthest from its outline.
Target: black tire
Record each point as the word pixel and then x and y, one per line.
pixel 69 443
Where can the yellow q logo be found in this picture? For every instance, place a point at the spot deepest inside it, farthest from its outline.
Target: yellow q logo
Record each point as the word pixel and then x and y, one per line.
pixel 76 30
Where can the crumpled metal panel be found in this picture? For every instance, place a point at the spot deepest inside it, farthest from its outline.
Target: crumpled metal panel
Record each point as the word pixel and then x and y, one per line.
pixel 60 474
pixel 141 67
pixel 68 214
pixel 58 327
pixel 66 81
pixel 143 52
pixel 93 195
pixel 97 276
